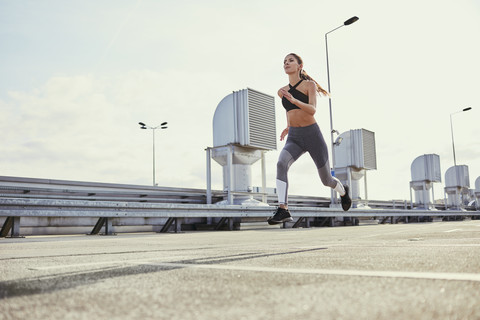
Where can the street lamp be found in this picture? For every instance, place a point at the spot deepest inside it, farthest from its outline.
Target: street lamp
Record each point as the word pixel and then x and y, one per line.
pixel 332 131
pixel 163 125
pixel 453 143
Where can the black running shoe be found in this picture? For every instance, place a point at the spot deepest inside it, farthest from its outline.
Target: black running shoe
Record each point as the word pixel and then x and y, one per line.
pixel 280 216
pixel 346 201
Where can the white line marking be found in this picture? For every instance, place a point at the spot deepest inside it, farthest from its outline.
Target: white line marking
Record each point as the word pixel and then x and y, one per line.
pixel 453 230
pixel 361 273
pixel 93 264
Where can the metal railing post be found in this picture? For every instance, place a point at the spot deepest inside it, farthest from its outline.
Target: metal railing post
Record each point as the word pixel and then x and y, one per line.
pixel 230 173
pixel 209 175
pixel 264 179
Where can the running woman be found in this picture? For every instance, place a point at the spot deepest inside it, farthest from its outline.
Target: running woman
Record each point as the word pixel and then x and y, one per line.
pixel 299 98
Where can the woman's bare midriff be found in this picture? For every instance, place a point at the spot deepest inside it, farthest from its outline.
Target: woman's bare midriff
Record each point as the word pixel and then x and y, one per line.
pixel 299 118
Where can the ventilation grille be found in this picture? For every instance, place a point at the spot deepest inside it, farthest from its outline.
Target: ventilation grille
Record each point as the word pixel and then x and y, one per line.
pixel 369 151
pixel 261 120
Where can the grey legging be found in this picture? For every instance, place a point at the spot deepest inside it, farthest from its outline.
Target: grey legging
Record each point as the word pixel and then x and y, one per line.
pixel 300 140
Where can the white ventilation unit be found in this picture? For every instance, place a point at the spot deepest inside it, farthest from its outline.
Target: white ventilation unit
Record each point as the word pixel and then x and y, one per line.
pixel 457 184
pixel 425 172
pixel 457 178
pixel 243 130
pixel 356 148
pixel 355 153
pixel 245 118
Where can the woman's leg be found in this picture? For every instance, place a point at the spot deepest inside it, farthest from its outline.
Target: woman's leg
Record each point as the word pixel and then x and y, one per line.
pixel 329 180
pixel 287 157
pixel 290 153
pixel 319 153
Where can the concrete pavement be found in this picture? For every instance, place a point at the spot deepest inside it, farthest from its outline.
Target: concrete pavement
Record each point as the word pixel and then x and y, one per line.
pixel 402 271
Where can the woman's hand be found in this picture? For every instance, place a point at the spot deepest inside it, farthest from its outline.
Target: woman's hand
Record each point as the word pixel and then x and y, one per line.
pixel 288 96
pixel 284 133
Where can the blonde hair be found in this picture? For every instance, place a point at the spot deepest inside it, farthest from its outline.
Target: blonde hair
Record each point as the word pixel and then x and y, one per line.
pixel 304 75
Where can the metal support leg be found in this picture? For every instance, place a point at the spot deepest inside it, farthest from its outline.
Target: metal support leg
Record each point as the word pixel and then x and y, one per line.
pixel 230 174
pixel 108 227
pixel 11 224
pixel 220 223
pixel 209 175
pixel 298 222
pixel 167 225
pixel 7 226
pixel 331 222
pixel 264 178
pixel 99 225
pixel 177 225
pixel 229 222
pixel 307 222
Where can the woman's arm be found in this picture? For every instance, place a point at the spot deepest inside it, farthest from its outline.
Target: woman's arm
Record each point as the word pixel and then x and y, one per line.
pixel 309 107
pixel 285 131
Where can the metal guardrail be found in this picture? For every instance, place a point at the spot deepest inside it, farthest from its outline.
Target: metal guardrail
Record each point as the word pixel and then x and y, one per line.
pixel 78 208
pixel 25 197
pixel 75 190
pixel 104 210
pixel 34 188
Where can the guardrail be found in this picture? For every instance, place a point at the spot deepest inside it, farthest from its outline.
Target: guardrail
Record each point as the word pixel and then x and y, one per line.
pixel 170 207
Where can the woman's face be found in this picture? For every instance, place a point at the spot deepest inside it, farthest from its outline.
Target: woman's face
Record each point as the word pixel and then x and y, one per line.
pixel 291 65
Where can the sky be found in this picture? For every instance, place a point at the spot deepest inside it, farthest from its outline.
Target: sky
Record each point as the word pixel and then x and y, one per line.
pixel 78 76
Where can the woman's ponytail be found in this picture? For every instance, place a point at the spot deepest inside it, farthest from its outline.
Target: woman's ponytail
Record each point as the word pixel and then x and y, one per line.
pixel 305 76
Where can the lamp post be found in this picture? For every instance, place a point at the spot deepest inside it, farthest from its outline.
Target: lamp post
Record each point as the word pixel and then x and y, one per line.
pixel 453 143
pixel 332 131
pixel 163 125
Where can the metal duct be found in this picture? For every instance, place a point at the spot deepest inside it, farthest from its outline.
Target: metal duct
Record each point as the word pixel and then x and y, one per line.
pixel 355 153
pixel 426 168
pixel 457 184
pixel 356 149
pixel 246 118
pixel 425 171
pixel 457 178
pixel 243 130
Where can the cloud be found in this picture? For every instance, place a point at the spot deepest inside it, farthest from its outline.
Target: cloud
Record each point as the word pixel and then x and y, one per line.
pixel 85 127
pixel 61 117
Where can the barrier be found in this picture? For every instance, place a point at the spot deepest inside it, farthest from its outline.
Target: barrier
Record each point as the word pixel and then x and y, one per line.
pixel 171 207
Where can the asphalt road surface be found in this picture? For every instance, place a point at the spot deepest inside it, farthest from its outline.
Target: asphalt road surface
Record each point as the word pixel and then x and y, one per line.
pixel 402 271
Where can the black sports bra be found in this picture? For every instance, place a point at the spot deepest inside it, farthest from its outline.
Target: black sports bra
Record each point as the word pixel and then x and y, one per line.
pixel 297 95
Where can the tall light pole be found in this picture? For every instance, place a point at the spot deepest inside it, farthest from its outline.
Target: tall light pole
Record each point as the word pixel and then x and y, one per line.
pixel 453 143
pixel 332 131
pixel 163 125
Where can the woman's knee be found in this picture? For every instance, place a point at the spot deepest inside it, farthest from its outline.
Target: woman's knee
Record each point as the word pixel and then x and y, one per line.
pixel 282 166
pixel 326 177
pixel 284 162
pixel 282 169
pixel 328 181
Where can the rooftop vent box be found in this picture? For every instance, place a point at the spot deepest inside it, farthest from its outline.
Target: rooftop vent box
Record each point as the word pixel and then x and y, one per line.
pixel 426 168
pixel 246 118
pixel 457 178
pixel 356 149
